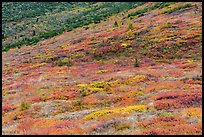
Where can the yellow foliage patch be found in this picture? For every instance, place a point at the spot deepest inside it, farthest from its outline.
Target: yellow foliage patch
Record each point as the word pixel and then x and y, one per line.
pixel 191 61
pixel 98 86
pixel 65 47
pixel 124 45
pixel 135 93
pixel 101 71
pixel 135 79
pixel 38 65
pixel 129 109
pixel 130 32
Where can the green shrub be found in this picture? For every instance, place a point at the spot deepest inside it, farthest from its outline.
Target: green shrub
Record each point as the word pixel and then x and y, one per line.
pixel 84 94
pixel 167 25
pixel 170 10
pixel 130 26
pixel 64 62
pixel 136 62
pixel 166 114
pixel 122 126
pixel 144 50
pixel 24 105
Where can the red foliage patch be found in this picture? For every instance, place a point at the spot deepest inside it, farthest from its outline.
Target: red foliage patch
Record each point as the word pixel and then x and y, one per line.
pixel 162 121
pixel 62 95
pixel 25 126
pixel 6 108
pixel 195 129
pixel 35 99
pixel 177 99
pixel 93 127
pixel 108 49
pixel 169 126
pixel 49 127
pixel 66 124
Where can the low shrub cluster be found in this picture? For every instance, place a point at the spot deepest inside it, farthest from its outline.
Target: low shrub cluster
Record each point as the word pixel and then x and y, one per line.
pixel 64 62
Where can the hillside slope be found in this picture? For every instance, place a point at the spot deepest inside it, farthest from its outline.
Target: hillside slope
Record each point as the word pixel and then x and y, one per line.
pixel 26 23
pixel 137 72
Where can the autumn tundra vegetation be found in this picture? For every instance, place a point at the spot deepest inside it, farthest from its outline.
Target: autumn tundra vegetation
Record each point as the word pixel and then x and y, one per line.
pixel 102 68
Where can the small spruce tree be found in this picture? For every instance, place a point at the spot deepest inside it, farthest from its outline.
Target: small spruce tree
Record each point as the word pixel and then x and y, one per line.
pixel 116 24
pixel 136 62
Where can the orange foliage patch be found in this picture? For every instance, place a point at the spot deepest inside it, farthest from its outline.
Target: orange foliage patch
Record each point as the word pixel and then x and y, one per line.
pixel 192 112
pixel 190 81
pixel 163 85
pixel 90 100
pixel 125 102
